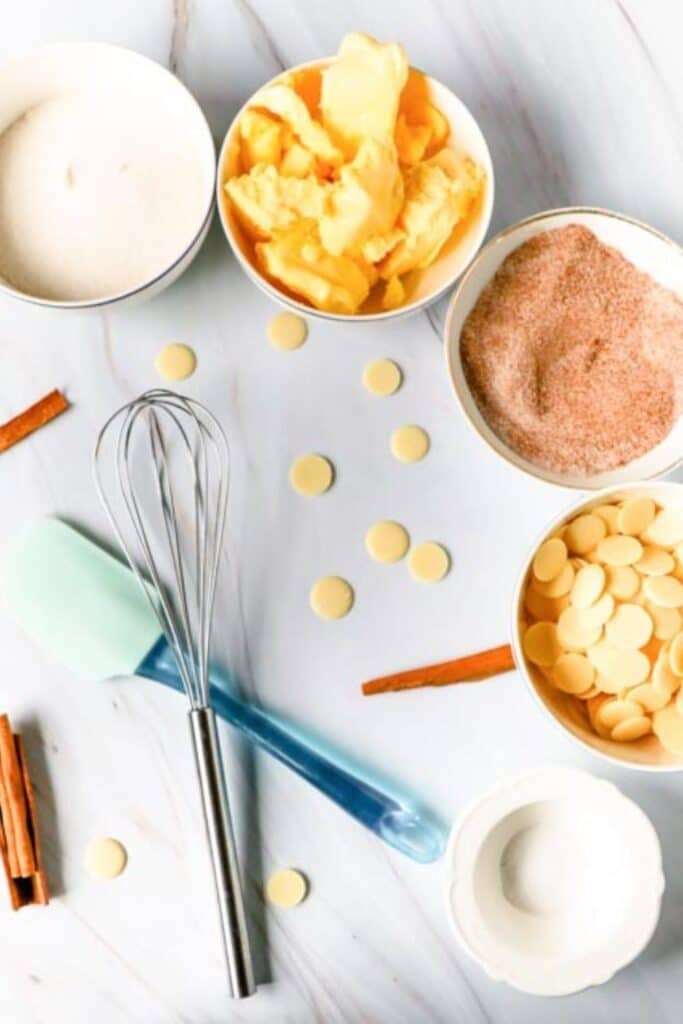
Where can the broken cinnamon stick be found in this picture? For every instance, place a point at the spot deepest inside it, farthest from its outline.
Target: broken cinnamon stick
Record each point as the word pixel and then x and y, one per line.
pixel 469 669
pixel 36 416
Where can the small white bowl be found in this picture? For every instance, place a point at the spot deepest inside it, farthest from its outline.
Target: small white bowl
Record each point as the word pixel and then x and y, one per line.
pixel 131 81
pixel 647 249
pixel 423 287
pixel 554 881
pixel 646 754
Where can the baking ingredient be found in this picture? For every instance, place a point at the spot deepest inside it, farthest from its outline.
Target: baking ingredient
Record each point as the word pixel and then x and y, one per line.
pixel 575 357
pixel 331 597
pixel 471 668
pixel 341 179
pixel 311 475
pixel 387 542
pixel 382 377
pixel 286 888
pixel 105 858
pixel 175 362
pixel 429 562
pixel 20 852
pixel 409 444
pixel 33 418
pixel 609 634
pixel 298 260
pixel 361 90
pixel 99 194
pixel 287 331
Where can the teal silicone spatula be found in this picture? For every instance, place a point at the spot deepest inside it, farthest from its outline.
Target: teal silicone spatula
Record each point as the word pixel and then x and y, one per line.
pixel 86 610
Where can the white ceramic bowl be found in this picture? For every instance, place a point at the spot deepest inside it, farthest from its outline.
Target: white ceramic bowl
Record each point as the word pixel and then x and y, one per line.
pixel 553 881
pixel 647 249
pixel 422 287
pixel 645 754
pixel 95 70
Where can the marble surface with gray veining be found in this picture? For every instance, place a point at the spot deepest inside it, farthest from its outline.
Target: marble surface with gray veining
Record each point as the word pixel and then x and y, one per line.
pixel 581 102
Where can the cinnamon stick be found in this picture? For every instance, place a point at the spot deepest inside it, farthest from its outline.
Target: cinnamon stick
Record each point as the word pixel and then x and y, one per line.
pixel 14 811
pixel 469 669
pixel 36 416
pixel 20 852
pixel 40 890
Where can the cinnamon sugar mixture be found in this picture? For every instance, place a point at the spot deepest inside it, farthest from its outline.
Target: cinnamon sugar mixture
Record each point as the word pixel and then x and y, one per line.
pixel 575 357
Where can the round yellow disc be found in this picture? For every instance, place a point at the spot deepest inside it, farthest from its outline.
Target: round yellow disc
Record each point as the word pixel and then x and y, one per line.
pixel 387 541
pixel 618 668
pixel 676 655
pixel 620 550
pixel 600 612
pixel 635 515
pixel 612 712
pixel 623 582
pixel 541 645
pixel 666 529
pixel 382 377
pixel 629 627
pixel 655 562
pixel 331 597
pixel 573 673
pixel 287 331
pixel 429 562
pixel 665 591
pixel 175 362
pixel 584 533
pixel 286 888
pixel 668 621
pixel 311 475
pixel 547 608
pixel 632 729
pixel 409 444
pixel 609 513
pixel 649 697
pixel 558 587
pixel 664 679
pixel 667 726
pixel 588 586
pixel 105 858
pixel 575 632
pixel 550 559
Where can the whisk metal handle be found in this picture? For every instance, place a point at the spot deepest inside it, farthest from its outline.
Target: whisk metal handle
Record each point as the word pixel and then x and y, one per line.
pixel 223 853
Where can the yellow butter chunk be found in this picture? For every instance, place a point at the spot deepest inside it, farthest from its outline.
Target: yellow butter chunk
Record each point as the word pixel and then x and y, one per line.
pixel 260 139
pixel 366 200
pixel 435 201
pixel 266 201
pixel 411 140
pixel 297 259
pixel 285 103
pixel 394 294
pixel 361 90
pixel 297 161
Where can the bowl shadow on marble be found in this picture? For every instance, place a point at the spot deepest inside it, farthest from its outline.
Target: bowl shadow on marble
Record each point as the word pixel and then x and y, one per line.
pixel 663 804
pixel 48 817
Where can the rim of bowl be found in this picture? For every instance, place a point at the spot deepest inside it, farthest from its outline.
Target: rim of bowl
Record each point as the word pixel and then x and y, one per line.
pixel 301 307
pixel 529 469
pixel 599 498
pixel 477 801
pixel 35 300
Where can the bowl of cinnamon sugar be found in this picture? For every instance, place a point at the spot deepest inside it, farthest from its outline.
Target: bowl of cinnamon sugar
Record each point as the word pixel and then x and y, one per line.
pixel 564 345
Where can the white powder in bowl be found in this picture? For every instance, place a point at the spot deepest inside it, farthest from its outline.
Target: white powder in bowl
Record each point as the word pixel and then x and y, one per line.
pixel 100 193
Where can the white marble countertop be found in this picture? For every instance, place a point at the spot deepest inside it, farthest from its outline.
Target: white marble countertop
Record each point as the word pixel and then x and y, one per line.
pixel 581 103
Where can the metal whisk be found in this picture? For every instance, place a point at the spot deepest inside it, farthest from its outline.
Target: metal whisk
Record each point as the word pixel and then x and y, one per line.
pixel 161 467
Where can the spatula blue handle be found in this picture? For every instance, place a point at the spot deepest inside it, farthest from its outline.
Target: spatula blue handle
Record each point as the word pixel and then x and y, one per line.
pixel 407 830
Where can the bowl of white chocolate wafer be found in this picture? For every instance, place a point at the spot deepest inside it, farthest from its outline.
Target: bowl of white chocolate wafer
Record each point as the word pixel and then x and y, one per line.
pixel 598 624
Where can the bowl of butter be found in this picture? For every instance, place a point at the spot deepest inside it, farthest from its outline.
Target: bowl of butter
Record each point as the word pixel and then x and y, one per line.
pixel 355 187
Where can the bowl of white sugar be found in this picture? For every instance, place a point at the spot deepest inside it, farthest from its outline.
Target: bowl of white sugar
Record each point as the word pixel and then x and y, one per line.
pixel 107 171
